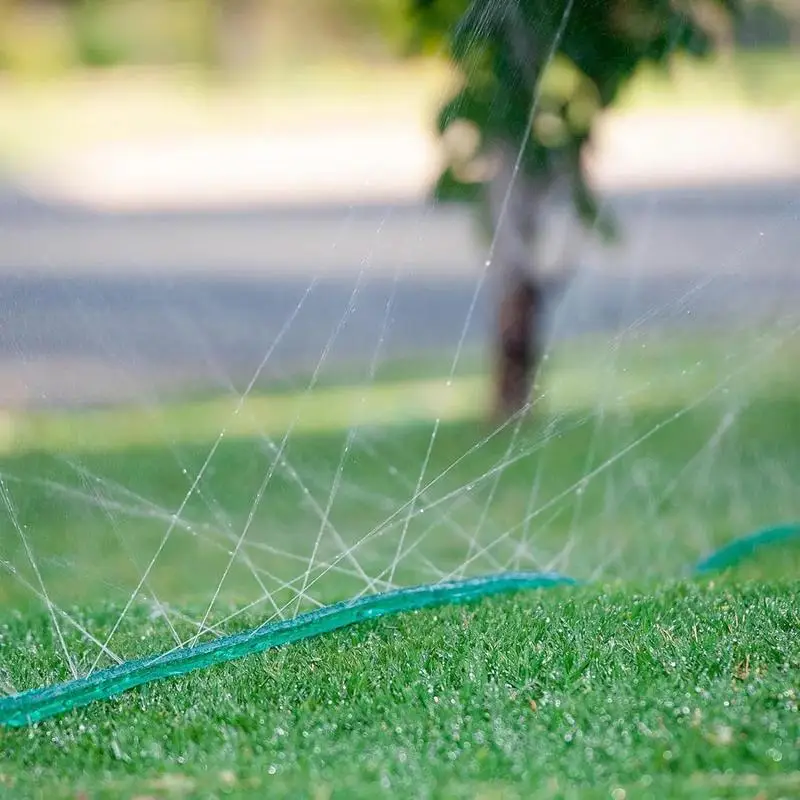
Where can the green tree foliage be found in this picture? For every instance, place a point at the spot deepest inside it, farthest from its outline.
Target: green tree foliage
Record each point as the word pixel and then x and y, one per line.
pixel 537 72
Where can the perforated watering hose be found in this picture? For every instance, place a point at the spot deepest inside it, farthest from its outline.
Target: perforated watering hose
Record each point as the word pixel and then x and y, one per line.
pixel 39 704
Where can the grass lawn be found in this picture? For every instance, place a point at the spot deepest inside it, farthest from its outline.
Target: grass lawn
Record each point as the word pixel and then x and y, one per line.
pixel 638 460
pixel 684 691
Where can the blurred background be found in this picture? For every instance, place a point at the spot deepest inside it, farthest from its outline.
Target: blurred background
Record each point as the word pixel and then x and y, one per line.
pixel 188 186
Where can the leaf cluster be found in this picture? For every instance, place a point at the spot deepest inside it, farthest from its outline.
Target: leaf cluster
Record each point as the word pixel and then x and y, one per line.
pixel 535 74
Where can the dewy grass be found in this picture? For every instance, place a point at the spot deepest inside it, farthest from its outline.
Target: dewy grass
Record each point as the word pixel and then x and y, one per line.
pixel 45 702
pixel 690 690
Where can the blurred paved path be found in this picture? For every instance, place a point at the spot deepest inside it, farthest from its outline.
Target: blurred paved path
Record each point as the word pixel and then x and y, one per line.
pixel 115 284
pixel 338 159
pixel 124 306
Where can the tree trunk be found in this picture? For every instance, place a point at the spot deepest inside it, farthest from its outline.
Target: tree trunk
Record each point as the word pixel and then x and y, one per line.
pixel 516 202
pixel 235 35
pixel 519 346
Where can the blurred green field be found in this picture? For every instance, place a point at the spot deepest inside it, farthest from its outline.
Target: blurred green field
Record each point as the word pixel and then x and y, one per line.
pixel 636 460
pixel 42 119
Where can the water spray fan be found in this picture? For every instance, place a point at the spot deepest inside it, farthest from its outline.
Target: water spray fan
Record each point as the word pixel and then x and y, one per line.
pixel 40 704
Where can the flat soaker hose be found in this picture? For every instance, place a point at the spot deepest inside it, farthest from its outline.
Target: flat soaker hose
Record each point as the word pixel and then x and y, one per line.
pixel 36 705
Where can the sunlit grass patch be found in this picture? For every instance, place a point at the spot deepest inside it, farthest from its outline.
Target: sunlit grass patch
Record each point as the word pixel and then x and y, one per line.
pixel 194 422
pixel 755 79
pixel 175 101
pixel 688 690
pixel 653 372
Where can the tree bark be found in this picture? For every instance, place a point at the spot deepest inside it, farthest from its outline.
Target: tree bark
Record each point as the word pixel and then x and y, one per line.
pixel 516 203
pixel 519 346
pixel 235 35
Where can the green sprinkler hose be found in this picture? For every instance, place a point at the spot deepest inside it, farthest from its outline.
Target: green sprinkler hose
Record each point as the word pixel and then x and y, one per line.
pixel 39 704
